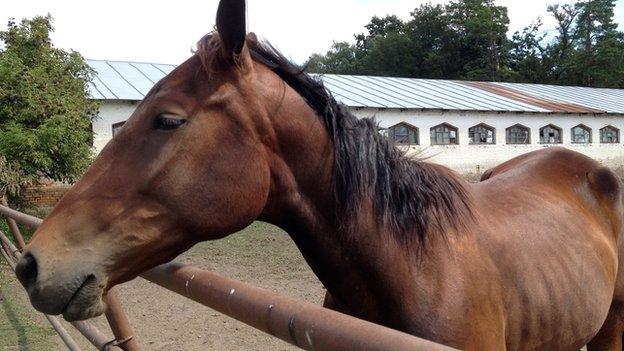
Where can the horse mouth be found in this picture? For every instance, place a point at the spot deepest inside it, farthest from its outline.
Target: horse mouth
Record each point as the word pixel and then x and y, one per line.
pixel 86 302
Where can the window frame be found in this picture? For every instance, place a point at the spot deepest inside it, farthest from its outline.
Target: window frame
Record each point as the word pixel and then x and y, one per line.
pixel 552 126
pixel 486 127
pixel 448 126
pixel 116 127
pixel 391 134
pixel 617 134
pixel 585 128
pixel 521 126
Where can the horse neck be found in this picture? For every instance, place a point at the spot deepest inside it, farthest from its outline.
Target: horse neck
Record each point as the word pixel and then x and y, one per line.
pixel 358 257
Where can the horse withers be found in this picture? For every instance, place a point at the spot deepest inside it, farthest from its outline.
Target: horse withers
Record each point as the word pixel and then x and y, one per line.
pixel 525 259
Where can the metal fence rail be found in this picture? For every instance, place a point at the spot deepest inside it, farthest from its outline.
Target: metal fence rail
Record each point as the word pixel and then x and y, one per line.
pixel 11 254
pixel 305 325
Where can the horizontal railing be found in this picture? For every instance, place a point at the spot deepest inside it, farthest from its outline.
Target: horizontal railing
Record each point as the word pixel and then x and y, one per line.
pixel 302 324
pixel 11 254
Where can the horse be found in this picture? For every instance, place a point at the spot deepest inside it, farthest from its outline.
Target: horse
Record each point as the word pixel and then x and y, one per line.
pixel 525 259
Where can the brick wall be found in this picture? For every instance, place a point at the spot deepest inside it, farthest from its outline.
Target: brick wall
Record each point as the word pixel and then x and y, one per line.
pixel 45 195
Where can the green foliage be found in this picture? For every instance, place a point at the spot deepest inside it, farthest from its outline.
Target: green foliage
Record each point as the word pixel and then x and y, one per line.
pixel 480 29
pixel 340 59
pixel 45 113
pixel 11 179
pixel 464 39
pixel 467 39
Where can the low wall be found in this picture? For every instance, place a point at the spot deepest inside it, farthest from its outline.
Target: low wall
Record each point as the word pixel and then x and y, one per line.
pixel 46 195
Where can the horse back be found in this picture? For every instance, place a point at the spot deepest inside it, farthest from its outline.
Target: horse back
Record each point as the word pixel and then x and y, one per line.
pixel 571 176
pixel 559 167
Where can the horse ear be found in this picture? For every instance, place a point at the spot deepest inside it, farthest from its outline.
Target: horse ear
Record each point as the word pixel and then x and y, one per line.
pixel 231 25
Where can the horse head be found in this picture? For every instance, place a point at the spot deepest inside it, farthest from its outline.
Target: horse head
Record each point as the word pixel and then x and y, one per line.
pixel 196 161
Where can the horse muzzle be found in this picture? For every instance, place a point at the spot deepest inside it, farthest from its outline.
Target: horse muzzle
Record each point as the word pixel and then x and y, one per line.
pixel 74 292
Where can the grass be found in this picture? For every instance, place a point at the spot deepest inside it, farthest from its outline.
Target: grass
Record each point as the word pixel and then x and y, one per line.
pixel 18 330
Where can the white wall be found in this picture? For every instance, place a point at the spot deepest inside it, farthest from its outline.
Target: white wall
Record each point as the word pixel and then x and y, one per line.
pixel 463 157
pixel 476 158
pixel 111 112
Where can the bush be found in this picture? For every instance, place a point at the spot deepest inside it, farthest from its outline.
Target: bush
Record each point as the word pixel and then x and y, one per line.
pixel 45 110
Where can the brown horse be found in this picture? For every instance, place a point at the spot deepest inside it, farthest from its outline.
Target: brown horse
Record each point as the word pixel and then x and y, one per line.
pixel 526 259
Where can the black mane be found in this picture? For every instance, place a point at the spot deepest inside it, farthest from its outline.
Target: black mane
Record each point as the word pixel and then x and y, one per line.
pixel 411 197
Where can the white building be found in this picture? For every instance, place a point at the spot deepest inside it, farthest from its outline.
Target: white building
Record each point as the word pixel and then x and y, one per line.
pixel 469 126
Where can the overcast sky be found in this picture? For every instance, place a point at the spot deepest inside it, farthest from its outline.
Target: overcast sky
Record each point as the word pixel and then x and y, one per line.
pixel 165 31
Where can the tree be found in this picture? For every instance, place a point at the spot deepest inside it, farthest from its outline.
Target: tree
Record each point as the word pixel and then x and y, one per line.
pixel 467 39
pixel 45 112
pixel 391 55
pixel 434 47
pixel 480 29
pixel 526 57
pixel 379 28
pixel 561 50
pixel 598 44
pixel 340 59
pixel 588 50
pixel 11 179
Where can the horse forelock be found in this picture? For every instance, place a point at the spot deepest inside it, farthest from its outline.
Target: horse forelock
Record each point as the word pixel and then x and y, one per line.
pixel 414 199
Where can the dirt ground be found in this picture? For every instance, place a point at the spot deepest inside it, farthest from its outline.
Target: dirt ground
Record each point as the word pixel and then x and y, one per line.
pixel 261 255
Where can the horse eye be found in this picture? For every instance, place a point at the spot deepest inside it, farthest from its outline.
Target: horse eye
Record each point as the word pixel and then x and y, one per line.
pixel 168 122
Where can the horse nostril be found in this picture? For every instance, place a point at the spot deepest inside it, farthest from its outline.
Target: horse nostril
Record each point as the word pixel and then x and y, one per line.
pixel 27 270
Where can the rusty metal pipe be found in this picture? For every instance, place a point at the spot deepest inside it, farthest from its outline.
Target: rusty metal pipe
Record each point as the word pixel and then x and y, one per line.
pixel 95 337
pixel 63 334
pixel 14 251
pixel 7 257
pixel 302 324
pixel 88 330
pixel 4 247
pixel 58 327
pixel 19 239
pixel 19 217
pixel 120 326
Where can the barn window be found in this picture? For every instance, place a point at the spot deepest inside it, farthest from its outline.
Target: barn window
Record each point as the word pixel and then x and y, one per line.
pixel 444 134
pixel 481 134
pixel 117 127
pixel 550 134
pixel 403 134
pixel 581 134
pixel 609 135
pixel 518 134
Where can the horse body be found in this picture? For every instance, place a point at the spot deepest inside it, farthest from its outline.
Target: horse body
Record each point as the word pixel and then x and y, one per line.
pixel 536 270
pixel 526 259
